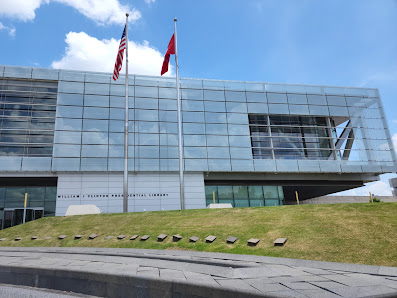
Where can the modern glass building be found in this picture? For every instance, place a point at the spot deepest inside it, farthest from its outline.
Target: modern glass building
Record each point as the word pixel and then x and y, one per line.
pixel 245 143
pixel 393 185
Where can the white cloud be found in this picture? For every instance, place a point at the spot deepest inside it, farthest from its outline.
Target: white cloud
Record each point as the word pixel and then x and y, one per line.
pixel 150 1
pixel 84 52
pixel 20 9
pixel 378 188
pixel 376 77
pixel 100 11
pixel 11 31
pixel 103 11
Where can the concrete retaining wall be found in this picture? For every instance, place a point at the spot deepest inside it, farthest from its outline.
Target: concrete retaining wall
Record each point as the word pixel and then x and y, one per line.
pixel 346 199
pixel 112 285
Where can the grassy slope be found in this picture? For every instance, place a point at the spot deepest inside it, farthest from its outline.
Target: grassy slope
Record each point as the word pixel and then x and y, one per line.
pixel 351 233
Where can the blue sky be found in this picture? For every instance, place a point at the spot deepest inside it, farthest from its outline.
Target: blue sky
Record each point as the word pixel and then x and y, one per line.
pixel 343 43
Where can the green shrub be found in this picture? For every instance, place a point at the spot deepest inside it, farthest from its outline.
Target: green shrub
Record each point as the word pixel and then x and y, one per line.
pixel 375 200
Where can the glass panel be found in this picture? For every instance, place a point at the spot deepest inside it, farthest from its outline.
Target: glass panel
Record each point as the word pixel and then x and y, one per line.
pixel 272 202
pixel 240 192
pixel 219 165
pixel 166 127
pixel 276 98
pixel 35 194
pixel 67 150
pixel 193 128
pixel 210 192
pixel 95 125
pixel 299 109
pixel 240 153
pixel 146 103
pixel 147 139
pixel 146 92
pixel 214 95
pixel 257 203
pixel 218 129
pixel 218 152
pixel 194 140
pixel 240 141
pixel 235 96
pixel 91 88
pixel 195 152
pixel 338 111
pixel 168 104
pixel 70 87
pixel 2 198
pixel 192 105
pixel 167 92
pixel 147 151
pixel 169 152
pixel 215 117
pixel 270 192
pixel 94 164
pixel 255 193
pixel 94 151
pixel 70 99
pixel 196 165
pixel 318 110
pixel 151 115
pixel 68 124
pixel 117 114
pixel 336 100
pixel 278 109
pixel 238 129
pixel 169 140
pixel 235 107
pixel 297 98
pixel 66 164
pixel 193 117
pixel 119 102
pixel 95 113
pixel 96 101
pixel 241 203
pixel 116 138
pixel 213 106
pixel 192 94
pixel 118 126
pixel 148 127
pixel 317 99
pixel 256 97
pixel 237 118
pixel 225 194
pixel 217 140
pixel 242 165
pixel 116 151
pixel 168 116
pixel 94 138
pixel 119 90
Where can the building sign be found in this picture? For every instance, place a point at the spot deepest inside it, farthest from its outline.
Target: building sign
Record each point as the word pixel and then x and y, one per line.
pixel 131 195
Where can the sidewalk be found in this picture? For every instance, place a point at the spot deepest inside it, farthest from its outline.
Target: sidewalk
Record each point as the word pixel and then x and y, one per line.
pixel 110 272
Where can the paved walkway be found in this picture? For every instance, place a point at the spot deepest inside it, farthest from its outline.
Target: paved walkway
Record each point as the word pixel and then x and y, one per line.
pixel 165 273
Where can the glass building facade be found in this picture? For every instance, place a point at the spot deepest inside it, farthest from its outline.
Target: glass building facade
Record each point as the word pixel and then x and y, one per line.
pixel 239 137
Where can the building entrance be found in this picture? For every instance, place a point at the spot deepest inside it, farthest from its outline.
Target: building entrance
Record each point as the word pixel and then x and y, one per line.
pixel 14 216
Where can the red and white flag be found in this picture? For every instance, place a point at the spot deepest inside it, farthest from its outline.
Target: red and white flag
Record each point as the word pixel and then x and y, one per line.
pixel 170 51
pixel 120 54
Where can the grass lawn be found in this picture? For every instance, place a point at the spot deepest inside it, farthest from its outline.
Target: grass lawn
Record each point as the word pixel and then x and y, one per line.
pixel 350 233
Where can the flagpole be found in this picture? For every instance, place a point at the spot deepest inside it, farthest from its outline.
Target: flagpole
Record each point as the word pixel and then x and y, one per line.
pixel 180 148
pixel 125 184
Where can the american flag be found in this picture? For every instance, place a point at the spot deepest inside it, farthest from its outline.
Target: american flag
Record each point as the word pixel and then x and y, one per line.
pixel 119 59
